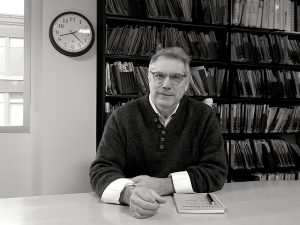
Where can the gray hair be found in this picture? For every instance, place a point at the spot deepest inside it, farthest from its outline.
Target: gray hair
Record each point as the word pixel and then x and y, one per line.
pixel 175 53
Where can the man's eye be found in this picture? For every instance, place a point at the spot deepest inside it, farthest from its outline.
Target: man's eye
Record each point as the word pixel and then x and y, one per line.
pixel 176 77
pixel 159 76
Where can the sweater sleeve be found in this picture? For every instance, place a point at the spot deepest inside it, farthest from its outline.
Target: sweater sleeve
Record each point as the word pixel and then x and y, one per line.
pixel 109 163
pixel 210 173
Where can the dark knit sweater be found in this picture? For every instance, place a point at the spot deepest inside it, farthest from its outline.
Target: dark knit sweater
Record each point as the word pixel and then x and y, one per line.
pixel 134 143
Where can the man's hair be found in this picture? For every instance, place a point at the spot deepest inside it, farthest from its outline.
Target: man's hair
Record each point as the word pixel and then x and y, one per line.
pixel 174 53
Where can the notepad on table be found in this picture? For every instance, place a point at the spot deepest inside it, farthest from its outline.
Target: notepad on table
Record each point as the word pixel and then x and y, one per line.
pixel 198 203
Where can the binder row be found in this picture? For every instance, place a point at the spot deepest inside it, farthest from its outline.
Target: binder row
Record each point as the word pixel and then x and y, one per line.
pixel 125 78
pixel 209 12
pixel 252 118
pixel 270 14
pixel 173 10
pixel 109 107
pixel 292 175
pixel 265 48
pixel 245 47
pixel 222 113
pixel 266 83
pixel 264 155
pixel 256 118
pixel 207 82
pixel 145 40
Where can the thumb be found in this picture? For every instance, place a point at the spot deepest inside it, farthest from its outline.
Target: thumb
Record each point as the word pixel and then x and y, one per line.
pixel 137 178
pixel 157 197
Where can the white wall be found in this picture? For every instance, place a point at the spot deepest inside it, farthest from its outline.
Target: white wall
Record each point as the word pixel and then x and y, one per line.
pixel 55 156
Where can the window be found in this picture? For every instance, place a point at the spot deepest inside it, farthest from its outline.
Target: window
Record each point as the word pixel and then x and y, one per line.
pixel 14 66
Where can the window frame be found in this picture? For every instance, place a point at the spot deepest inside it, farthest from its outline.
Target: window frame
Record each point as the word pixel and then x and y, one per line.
pixel 25 128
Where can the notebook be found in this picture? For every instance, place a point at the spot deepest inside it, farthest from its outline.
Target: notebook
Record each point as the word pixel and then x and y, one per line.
pixel 198 203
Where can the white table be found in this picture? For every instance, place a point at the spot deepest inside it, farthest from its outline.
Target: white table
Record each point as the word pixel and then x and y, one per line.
pixel 253 203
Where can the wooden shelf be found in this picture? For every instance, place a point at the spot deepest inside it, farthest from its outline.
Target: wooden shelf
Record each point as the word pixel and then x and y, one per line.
pixel 113 19
pixel 255 65
pixel 200 98
pixel 242 136
pixel 269 101
pixel 235 28
pixel 146 60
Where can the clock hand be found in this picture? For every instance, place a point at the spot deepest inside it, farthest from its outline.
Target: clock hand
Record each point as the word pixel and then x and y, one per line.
pixel 67 33
pixel 76 36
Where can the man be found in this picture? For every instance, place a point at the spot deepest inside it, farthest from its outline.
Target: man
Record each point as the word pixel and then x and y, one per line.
pixel 159 144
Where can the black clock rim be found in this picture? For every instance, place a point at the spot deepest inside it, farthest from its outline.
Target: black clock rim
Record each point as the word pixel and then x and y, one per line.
pixel 62 51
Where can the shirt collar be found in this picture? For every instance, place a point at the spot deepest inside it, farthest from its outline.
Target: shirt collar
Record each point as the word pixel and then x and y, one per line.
pixel 162 119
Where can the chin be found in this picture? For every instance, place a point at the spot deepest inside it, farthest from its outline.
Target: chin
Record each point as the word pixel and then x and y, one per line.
pixel 165 103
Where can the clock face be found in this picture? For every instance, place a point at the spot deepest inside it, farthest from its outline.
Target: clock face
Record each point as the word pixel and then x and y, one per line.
pixel 71 34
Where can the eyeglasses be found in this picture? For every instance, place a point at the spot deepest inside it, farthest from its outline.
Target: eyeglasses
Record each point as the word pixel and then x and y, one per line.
pixel 175 78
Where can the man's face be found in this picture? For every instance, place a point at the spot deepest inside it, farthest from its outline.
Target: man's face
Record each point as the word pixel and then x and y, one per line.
pixel 165 94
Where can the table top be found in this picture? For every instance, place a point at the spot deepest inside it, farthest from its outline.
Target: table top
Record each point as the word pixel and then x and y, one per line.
pixel 257 202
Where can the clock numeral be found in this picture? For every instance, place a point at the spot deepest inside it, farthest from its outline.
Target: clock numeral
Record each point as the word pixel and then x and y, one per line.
pixel 79 45
pixel 72 47
pixel 59 38
pixel 61 25
pixel 72 19
pixel 65 21
pixel 79 21
pixel 57 32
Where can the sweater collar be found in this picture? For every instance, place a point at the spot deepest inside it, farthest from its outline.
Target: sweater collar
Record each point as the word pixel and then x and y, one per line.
pixel 151 117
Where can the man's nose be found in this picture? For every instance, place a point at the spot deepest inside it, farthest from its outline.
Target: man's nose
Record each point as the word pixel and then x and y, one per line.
pixel 167 83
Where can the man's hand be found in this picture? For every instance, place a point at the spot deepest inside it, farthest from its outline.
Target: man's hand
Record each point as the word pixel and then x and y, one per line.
pixel 143 201
pixel 163 186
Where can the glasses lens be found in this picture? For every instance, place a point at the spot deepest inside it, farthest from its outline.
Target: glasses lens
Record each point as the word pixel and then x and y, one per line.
pixel 176 78
pixel 158 76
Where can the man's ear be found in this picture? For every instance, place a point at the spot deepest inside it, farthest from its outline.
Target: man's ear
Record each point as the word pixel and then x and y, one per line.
pixel 186 86
pixel 149 77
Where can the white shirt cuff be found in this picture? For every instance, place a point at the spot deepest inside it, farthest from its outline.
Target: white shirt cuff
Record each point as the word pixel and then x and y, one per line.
pixel 182 182
pixel 113 191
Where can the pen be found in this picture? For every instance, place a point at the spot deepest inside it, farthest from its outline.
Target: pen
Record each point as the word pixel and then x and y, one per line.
pixel 210 199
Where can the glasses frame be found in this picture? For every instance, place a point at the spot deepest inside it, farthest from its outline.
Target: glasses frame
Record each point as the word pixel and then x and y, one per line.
pixel 165 77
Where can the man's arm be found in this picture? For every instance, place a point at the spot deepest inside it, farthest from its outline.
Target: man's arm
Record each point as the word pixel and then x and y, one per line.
pixel 210 173
pixel 109 163
pixel 178 182
pixel 163 186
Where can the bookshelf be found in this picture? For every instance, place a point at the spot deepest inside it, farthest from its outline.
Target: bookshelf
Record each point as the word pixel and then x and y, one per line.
pixel 277 68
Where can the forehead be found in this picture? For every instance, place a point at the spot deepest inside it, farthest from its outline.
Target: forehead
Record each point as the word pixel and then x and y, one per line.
pixel 168 65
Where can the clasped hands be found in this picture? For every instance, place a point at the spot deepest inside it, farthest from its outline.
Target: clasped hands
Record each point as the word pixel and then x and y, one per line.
pixel 144 200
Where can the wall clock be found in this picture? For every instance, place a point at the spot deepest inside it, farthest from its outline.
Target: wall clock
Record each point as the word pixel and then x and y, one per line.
pixel 71 34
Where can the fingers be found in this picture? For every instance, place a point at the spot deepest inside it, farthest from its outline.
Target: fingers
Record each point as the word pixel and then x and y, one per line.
pixel 140 216
pixel 144 202
pixel 143 211
pixel 158 198
pixel 139 178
